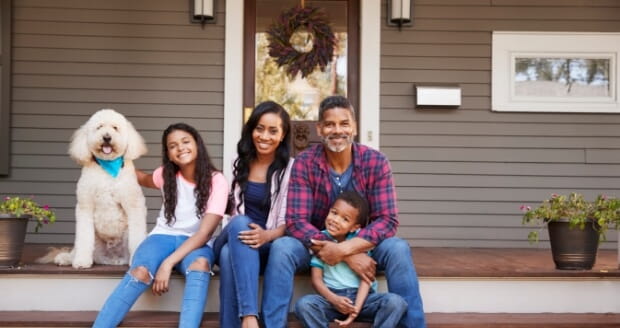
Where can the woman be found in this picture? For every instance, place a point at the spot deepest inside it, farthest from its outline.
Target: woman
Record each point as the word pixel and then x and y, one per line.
pixel 261 168
pixel 195 196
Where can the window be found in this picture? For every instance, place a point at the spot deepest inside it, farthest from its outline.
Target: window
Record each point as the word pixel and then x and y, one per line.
pixel 555 72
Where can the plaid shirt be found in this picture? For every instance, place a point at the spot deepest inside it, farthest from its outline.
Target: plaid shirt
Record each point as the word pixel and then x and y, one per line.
pixel 310 194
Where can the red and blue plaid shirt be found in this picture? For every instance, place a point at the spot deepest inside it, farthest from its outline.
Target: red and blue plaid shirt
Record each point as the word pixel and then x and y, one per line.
pixel 310 194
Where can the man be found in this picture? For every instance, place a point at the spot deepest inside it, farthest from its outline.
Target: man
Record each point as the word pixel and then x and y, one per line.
pixel 319 174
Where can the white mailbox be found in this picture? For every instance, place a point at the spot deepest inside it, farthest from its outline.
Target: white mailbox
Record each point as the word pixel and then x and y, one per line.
pixel 438 95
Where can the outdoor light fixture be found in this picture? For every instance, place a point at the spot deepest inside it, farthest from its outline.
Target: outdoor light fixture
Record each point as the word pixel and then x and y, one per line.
pixel 399 13
pixel 440 95
pixel 202 11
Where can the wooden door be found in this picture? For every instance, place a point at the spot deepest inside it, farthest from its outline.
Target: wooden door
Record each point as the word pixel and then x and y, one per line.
pixel 265 80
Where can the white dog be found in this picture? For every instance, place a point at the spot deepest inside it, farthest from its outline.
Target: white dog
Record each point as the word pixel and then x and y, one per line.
pixel 110 213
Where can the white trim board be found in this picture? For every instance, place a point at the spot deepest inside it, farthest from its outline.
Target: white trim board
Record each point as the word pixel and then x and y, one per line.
pixel 440 295
pixel 370 55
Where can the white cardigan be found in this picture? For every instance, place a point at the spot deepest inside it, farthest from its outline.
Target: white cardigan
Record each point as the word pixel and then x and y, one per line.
pixel 277 211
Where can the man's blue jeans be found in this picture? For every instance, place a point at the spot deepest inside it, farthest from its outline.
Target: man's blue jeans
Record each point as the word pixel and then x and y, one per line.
pixel 150 254
pixel 240 266
pixel 382 309
pixel 288 256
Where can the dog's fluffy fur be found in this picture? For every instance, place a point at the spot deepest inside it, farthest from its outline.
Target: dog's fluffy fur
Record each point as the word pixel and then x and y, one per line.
pixel 110 213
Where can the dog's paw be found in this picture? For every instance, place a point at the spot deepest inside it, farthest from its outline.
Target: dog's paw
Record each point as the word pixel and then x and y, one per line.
pixel 118 262
pixel 63 259
pixel 82 263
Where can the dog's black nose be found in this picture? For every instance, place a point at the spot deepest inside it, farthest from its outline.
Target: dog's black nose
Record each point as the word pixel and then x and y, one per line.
pixel 107 138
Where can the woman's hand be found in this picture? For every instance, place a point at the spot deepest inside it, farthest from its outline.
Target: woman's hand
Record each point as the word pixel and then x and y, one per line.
pixel 256 237
pixel 162 279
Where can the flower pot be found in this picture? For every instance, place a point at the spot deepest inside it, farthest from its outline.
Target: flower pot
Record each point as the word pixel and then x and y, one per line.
pixel 12 235
pixel 573 249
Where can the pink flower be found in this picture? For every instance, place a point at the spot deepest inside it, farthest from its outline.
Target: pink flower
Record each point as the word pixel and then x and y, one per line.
pixel 7 198
pixel 554 195
pixel 46 207
pixel 46 221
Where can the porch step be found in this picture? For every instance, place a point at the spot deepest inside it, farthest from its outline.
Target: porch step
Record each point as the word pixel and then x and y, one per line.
pixel 435 320
pixel 452 280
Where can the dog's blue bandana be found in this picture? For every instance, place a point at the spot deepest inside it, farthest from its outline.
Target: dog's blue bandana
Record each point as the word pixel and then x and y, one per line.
pixel 112 167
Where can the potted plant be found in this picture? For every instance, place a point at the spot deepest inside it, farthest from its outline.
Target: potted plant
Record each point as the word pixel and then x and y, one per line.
pixel 575 225
pixel 14 215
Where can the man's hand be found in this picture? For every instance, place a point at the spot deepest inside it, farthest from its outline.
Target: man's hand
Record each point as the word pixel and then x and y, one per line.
pixel 330 252
pixel 363 265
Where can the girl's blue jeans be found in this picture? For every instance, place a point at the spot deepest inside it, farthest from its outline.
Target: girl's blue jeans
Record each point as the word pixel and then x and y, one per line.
pixel 382 309
pixel 240 267
pixel 150 254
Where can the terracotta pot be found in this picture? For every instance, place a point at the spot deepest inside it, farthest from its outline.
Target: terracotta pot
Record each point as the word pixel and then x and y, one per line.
pixel 12 235
pixel 573 249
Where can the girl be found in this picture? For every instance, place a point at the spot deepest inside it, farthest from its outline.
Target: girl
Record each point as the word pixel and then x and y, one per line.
pixel 261 168
pixel 194 195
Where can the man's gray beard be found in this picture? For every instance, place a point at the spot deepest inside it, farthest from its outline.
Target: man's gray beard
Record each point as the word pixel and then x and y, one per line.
pixel 335 149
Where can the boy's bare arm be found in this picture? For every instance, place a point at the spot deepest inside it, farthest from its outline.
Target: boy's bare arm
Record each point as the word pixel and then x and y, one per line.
pixel 362 293
pixel 341 303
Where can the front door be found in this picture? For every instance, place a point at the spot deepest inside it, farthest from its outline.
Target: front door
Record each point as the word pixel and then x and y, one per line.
pixel 265 79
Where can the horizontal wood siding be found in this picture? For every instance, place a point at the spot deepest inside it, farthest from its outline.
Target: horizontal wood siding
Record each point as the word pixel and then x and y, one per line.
pixel 463 173
pixel 73 57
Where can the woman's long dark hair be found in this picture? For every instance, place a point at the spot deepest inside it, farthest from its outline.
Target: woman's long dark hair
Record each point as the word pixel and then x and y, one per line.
pixel 202 175
pixel 246 151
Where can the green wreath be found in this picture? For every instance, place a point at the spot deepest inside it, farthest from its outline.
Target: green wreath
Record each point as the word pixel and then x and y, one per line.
pixel 280 48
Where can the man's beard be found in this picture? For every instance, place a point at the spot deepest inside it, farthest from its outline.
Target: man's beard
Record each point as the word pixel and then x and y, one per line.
pixel 346 141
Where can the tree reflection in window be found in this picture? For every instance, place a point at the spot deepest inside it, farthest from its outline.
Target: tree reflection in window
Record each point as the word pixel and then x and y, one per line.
pixel 562 77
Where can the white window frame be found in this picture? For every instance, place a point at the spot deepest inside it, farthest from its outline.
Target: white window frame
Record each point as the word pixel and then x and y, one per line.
pixel 509 45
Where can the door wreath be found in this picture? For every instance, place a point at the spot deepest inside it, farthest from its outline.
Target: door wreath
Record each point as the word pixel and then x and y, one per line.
pixel 293 22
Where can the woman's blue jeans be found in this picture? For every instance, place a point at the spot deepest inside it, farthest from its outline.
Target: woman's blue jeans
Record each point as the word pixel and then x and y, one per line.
pixel 288 256
pixel 382 309
pixel 240 267
pixel 150 254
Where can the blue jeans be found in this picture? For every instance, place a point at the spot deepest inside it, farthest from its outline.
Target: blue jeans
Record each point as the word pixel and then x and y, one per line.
pixel 288 256
pixel 240 267
pixel 382 309
pixel 150 254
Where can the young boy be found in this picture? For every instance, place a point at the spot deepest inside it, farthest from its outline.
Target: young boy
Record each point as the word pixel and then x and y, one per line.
pixel 343 297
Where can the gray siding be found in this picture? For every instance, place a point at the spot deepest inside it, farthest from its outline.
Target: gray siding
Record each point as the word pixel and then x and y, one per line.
pixel 73 57
pixel 462 174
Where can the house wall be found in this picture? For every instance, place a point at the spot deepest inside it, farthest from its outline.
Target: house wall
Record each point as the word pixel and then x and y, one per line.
pixel 73 57
pixel 463 173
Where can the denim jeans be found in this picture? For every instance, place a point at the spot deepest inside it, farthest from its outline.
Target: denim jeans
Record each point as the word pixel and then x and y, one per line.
pixel 288 256
pixel 150 254
pixel 382 309
pixel 240 267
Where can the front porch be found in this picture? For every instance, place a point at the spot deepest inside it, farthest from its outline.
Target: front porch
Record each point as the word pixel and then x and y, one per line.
pixel 461 287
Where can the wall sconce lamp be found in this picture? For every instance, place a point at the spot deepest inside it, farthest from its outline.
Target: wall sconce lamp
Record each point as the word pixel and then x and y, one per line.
pixel 202 11
pixel 399 13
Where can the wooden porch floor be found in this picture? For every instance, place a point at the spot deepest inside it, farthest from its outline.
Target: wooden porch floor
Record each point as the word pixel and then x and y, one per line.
pixel 429 262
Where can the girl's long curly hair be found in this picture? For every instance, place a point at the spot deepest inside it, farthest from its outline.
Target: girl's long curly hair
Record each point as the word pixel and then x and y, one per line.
pixel 246 150
pixel 202 175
